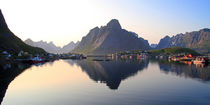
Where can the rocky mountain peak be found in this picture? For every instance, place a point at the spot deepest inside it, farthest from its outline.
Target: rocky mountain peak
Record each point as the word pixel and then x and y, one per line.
pixel 51 43
pixel 71 42
pixel 166 37
pixel 205 30
pixel 197 40
pixel 114 23
pixel 51 47
pixel 29 41
pixel 110 39
pixel 95 28
pixel 3 24
pixel 164 42
pixel 11 43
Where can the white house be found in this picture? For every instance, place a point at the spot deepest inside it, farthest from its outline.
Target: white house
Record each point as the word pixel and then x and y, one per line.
pixel 20 53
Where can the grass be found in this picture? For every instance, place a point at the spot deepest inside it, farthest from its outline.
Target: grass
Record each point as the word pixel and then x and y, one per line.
pixel 172 51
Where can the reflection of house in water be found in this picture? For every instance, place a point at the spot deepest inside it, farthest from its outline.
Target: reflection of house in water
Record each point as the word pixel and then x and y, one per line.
pixel 192 71
pixel 8 75
pixel 112 72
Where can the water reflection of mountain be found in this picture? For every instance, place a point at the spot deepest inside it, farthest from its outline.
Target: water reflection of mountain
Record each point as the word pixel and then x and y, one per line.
pixel 112 72
pixel 184 70
pixel 8 72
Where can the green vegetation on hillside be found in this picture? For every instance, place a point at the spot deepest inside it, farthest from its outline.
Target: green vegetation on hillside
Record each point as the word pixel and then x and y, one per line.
pixel 13 44
pixel 172 51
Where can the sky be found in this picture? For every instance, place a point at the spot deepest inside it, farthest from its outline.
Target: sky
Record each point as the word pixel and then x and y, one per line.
pixel 62 21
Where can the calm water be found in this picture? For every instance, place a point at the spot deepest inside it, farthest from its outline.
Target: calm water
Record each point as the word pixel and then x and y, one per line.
pixel 82 82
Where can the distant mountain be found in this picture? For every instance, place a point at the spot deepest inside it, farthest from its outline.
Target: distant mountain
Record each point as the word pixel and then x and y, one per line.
pixel 51 47
pixel 69 47
pixel 164 42
pixel 153 46
pixel 11 43
pixel 110 39
pixel 197 40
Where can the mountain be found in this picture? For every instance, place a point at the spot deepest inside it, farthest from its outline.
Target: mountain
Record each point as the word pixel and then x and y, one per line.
pixel 110 39
pixel 51 47
pixel 164 42
pixel 197 40
pixel 153 46
pixel 69 47
pixel 11 43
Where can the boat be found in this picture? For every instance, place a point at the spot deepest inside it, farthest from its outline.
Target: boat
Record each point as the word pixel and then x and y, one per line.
pixel 36 60
pixel 188 58
pixel 200 60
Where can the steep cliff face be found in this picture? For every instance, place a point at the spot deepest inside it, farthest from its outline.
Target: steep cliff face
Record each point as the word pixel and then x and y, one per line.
pixel 3 25
pixel 11 43
pixel 69 47
pixel 110 39
pixel 198 40
pixel 164 42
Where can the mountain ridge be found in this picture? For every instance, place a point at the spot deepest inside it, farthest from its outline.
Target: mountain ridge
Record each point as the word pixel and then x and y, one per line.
pixel 51 47
pixel 11 43
pixel 197 40
pixel 110 39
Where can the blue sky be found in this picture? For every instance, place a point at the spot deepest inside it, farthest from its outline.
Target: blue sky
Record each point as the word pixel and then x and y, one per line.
pixel 62 21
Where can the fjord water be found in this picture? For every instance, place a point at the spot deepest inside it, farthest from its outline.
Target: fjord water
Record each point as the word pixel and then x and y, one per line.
pixel 117 82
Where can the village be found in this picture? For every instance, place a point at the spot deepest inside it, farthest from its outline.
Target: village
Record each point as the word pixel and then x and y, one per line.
pixel 25 57
pixel 181 57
